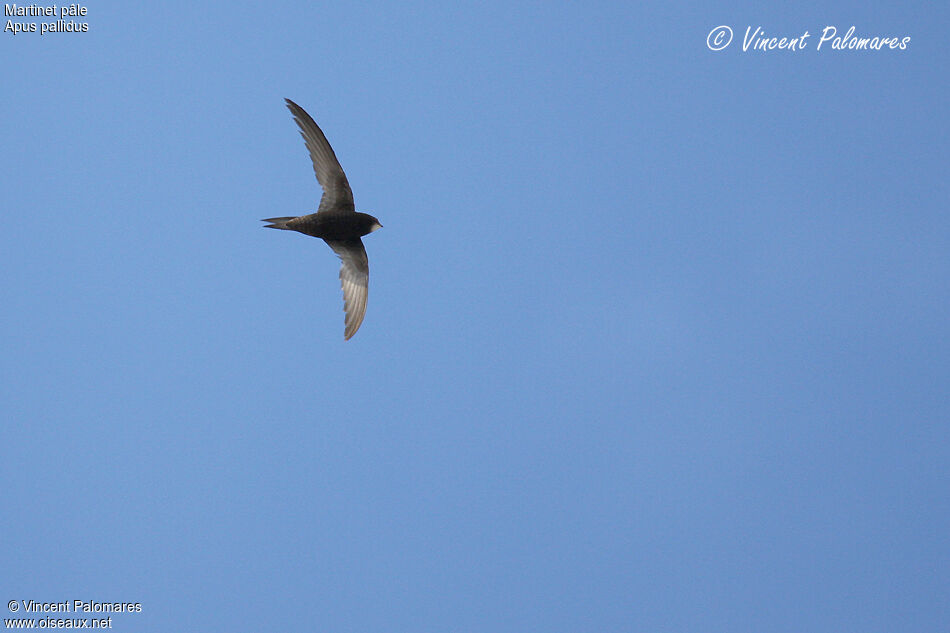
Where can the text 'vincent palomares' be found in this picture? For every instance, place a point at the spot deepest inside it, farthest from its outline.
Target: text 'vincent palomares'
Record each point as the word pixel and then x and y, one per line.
pixel 81 606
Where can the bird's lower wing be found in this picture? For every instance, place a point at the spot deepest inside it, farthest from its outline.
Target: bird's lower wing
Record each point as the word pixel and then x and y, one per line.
pixel 354 277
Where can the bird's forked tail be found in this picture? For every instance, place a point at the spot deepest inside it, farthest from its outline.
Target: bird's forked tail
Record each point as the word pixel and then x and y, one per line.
pixel 278 223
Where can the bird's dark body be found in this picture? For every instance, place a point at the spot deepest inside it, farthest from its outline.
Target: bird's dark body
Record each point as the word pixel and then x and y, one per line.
pixel 333 226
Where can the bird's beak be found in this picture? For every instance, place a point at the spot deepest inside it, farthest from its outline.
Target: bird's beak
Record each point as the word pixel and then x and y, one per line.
pixel 376 227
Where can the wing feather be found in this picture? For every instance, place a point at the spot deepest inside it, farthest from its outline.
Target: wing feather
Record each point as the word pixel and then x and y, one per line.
pixel 337 195
pixel 354 278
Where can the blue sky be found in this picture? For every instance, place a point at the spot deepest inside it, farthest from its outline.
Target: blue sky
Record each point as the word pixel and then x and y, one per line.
pixel 656 336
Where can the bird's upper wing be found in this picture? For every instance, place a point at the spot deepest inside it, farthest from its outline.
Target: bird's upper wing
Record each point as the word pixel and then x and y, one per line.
pixel 336 190
pixel 354 277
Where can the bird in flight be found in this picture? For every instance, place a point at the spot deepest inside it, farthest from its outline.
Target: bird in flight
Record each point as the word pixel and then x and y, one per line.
pixel 336 221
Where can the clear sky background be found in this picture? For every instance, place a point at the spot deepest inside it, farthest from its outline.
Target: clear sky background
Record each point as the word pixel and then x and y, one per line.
pixel 657 336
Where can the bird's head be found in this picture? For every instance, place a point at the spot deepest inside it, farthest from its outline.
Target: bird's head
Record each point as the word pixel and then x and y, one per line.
pixel 368 223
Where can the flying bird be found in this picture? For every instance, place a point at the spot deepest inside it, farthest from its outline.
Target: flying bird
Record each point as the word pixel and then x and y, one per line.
pixel 336 221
